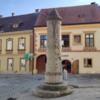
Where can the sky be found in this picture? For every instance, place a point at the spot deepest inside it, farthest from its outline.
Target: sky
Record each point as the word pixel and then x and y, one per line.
pixel 20 7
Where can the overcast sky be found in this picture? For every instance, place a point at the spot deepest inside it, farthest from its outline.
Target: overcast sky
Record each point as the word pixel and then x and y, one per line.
pixel 20 7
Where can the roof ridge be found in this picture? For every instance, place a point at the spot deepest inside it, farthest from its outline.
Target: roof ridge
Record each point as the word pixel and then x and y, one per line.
pixel 67 7
pixel 17 16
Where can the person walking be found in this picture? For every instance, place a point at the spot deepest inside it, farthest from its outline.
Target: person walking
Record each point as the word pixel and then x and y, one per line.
pixel 65 74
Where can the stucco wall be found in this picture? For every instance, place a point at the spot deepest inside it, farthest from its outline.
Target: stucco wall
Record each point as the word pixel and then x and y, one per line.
pixel 16 54
pixel 77 51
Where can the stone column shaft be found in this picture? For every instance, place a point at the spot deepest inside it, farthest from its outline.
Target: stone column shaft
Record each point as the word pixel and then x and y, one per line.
pixel 53 52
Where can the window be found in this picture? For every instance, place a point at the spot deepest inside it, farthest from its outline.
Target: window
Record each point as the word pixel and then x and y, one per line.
pixel 65 41
pixel 87 62
pixel 21 44
pixel 22 62
pixel 15 25
pixel 0 44
pixel 89 40
pixel 77 39
pixel 9 44
pixel 10 62
pixel 43 41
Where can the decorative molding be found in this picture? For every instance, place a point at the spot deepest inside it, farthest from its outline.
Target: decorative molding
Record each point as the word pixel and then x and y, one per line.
pixel 66 49
pixel 42 49
pixel 89 49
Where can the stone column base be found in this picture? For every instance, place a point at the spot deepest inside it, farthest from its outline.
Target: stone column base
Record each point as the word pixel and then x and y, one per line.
pixel 52 90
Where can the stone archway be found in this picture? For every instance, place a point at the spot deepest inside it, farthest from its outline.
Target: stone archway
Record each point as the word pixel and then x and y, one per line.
pixel 41 64
pixel 75 67
pixel 67 65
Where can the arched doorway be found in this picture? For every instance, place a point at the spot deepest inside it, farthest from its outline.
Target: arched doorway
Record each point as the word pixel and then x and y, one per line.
pixel 75 67
pixel 40 65
pixel 67 65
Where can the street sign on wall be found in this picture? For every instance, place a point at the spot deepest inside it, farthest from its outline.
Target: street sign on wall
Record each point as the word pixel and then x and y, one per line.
pixel 27 56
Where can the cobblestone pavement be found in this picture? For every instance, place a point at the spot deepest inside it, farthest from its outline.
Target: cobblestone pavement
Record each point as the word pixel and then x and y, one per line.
pixel 12 85
pixel 86 86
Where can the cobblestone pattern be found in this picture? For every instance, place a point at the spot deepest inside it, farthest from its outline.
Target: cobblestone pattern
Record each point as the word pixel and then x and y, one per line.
pixel 14 85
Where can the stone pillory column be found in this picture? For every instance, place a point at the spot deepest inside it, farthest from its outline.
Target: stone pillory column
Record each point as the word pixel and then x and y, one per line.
pixel 54 86
pixel 53 51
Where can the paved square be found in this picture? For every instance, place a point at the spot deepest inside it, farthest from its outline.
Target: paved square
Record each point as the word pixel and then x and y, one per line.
pixel 87 87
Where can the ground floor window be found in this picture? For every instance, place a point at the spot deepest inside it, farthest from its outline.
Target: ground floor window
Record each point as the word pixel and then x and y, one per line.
pixel 22 62
pixel 87 62
pixel 10 63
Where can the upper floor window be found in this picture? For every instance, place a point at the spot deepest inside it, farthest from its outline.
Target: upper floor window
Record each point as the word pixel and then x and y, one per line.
pixel 0 44
pixel 9 44
pixel 65 41
pixel 77 39
pixel 21 43
pixel 89 40
pixel 43 41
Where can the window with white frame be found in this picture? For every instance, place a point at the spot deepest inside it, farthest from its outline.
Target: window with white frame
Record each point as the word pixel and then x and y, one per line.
pixel 89 40
pixel 21 44
pixel 65 41
pixel 43 41
pixel 10 62
pixel 22 62
pixel 87 62
pixel 9 44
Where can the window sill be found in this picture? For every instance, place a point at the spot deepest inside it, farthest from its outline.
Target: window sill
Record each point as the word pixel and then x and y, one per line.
pixel 66 49
pixel 77 44
pixel 9 51
pixel 89 48
pixel 21 49
pixel 42 49
pixel 87 66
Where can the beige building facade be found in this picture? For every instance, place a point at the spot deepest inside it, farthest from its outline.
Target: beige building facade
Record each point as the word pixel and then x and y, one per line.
pixel 80 39
pixel 13 47
pixel 78 56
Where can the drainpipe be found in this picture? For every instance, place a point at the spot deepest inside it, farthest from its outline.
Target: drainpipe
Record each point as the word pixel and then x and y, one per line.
pixel 33 51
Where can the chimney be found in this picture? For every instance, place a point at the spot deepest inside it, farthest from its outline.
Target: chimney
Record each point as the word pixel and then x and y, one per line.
pixel 1 16
pixel 36 10
pixel 93 3
pixel 13 14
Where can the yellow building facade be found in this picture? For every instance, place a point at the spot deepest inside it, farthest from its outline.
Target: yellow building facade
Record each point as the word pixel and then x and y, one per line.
pixel 82 59
pixel 14 45
pixel 80 39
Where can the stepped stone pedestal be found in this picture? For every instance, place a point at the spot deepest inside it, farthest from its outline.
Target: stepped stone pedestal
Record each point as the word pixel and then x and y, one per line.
pixel 53 86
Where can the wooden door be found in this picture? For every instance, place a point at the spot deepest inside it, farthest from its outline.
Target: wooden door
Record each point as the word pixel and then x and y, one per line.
pixel 41 64
pixel 75 67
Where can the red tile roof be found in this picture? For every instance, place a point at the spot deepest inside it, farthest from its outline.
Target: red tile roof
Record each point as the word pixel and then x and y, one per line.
pixel 72 15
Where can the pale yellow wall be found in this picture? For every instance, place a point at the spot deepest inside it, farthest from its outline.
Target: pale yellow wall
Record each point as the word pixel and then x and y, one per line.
pixel 80 30
pixel 95 56
pixel 15 55
pixel 75 55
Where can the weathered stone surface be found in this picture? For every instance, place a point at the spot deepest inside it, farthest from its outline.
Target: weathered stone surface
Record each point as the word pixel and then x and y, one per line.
pixel 54 85
pixel 53 50
pixel 52 94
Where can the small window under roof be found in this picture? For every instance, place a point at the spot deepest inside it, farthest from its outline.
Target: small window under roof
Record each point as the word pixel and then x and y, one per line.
pixel 81 15
pixel 16 25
